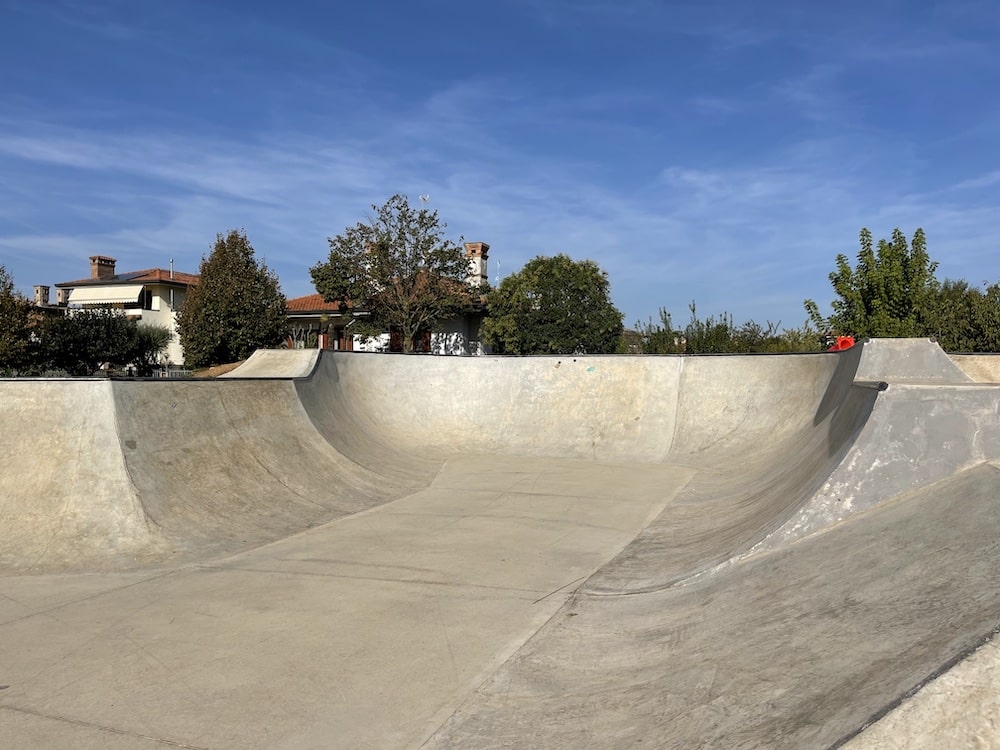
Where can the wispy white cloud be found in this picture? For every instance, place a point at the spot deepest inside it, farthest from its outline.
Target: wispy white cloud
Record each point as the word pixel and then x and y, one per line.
pixel 753 240
pixel 987 180
pixel 735 196
pixel 717 105
pixel 85 18
pixel 816 94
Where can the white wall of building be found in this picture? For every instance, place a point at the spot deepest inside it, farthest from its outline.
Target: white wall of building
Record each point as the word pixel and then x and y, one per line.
pixel 162 314
pixel 374 344
pixel 452 338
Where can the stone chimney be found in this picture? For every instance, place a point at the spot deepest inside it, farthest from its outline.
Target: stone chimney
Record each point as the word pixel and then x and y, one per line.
pixel 102 267
pixel 477 253
pixel 62 296
pixel 41 295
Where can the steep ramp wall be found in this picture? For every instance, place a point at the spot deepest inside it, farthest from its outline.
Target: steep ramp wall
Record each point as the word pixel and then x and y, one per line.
pixel 224 465
pixel 633 409
pixel 603 408
pixel 107 475
pixel 66 497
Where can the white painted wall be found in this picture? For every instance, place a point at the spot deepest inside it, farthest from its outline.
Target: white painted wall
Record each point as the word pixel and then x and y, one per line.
pixel 452 339
pixel 376 344
pixel 163 315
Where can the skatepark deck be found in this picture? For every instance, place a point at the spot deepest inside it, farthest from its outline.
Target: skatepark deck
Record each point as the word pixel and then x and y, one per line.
pixel 362 550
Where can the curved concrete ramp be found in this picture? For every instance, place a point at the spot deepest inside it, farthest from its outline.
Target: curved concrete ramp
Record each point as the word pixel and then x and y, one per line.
pixel 66 498
pixel 111 475
pixel 277 363
pixel 409 551
pixel 798 648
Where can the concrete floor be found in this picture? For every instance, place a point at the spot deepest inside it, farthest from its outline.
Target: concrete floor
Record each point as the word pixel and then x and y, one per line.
pixel 393 551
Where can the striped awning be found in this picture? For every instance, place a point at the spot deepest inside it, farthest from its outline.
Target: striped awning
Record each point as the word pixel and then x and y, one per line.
pixel 105 295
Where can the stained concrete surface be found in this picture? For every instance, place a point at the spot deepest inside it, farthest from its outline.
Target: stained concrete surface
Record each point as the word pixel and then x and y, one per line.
pixel 960 708
pixel 983 368
pixel 393 551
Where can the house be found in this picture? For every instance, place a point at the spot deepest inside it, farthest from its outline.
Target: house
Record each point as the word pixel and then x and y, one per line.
pixel 313 322
pixel 151 296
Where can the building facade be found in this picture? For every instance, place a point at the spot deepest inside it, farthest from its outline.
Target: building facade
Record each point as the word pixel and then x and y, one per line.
pixel 151 296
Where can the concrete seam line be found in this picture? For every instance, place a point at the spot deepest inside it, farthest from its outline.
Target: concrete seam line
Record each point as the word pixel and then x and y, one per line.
pixel 102 728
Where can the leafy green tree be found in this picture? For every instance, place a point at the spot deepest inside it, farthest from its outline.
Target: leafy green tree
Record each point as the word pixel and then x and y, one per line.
pixel 948 316
pixel 399 269
pixel 986 319
pixel 236 307
pixel 965 318
pixel 80 342
pixel 892 292
pixel 149 341
pixel 15 325
pixel 553 306
pixel 887 293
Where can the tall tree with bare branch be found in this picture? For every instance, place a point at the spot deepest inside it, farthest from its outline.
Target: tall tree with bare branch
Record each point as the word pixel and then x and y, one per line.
pixel 398 269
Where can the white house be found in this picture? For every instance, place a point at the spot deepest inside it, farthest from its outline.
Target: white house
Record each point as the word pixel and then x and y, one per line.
pixel 150 296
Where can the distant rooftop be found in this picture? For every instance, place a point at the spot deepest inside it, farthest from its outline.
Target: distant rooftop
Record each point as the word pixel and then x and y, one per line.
pixel 102 271
pixel 147 276
pixel 313 303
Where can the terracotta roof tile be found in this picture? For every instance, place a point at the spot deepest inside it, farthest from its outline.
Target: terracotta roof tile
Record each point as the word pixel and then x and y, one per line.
pixel 313 303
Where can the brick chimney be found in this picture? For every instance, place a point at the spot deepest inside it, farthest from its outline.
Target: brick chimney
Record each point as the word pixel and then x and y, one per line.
pixel 41 295
pixel 102 267
pixel 477 253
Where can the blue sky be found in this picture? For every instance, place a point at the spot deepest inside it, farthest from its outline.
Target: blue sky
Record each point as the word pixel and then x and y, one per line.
pixel 721 152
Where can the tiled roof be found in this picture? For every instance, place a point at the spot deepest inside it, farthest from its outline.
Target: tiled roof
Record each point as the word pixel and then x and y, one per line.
pixel 313 303
pixel 147 276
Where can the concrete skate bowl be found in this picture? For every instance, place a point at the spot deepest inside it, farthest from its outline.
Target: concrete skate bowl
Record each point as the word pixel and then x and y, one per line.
pixel 113 474
pixel 825 542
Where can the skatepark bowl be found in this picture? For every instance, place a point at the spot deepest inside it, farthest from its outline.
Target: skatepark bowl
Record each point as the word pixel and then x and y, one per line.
pixel 341 550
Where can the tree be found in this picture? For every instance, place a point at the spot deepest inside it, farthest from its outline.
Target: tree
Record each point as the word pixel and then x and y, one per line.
pixel 888 292
pixel 553 306
pixel 15 325
pixel 399 269
pixel 236 307
pixel 965 318
pixel 949 316
pixel 79 342
pixel 986 319
pixel 148 343
pixel 76 343
pixel 893 292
